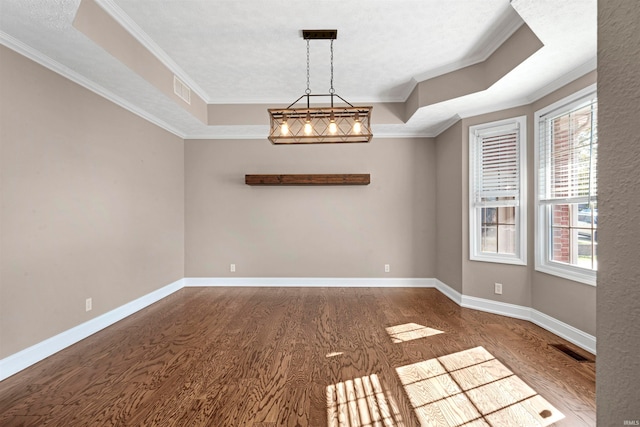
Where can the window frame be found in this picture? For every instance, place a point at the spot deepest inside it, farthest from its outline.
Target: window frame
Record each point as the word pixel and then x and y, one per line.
pixel 543 241
pixel 475 212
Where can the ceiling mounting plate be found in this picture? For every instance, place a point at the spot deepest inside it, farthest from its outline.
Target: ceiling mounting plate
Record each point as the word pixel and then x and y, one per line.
pixel 319 34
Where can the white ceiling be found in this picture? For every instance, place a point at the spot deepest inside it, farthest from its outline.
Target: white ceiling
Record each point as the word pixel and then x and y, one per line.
pixel 251 51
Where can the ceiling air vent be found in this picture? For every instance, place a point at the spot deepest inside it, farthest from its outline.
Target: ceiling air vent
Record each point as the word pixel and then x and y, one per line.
pixel 182 90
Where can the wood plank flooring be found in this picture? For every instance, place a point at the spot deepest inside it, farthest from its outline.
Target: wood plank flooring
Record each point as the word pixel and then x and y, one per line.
pixel 265 357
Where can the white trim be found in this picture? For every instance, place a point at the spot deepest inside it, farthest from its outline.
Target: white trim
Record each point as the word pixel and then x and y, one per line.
pixel 565 79
pixel 555 326
pixel 496 307
pixel 442 126
pixel 564 330
pixel 566 271
pixel 449 292
pixel 23 359
pixel 501 30
pixel 540 93
pixel 351 282
pixel 475 132
pixel 38 57
pixel 574 98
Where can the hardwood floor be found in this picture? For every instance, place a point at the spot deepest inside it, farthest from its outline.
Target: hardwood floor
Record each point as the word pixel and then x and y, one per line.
pixel 264 357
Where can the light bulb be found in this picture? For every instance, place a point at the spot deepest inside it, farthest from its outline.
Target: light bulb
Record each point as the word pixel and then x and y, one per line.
pixel 333 127
pixel 308 129
pixel 284 128
pixel 357 127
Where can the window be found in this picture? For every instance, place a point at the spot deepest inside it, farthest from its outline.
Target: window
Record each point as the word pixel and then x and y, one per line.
pixel 567 207
pixel 497 217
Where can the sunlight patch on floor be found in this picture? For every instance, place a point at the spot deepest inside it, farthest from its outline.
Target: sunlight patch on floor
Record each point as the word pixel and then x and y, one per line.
pixel 473 388
pixel 410 331
pixel 361 402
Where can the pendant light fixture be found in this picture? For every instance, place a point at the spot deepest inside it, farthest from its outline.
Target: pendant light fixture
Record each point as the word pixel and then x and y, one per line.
pixel 320 125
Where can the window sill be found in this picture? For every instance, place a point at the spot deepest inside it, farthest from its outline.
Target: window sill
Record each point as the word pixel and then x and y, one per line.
pixel 498 259
pixel 588 277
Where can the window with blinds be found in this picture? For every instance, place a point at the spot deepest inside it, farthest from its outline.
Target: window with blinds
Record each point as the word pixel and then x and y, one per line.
pixel 496 219
pixel 567 188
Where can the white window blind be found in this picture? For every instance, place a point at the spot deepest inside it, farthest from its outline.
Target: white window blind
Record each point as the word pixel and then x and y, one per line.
pixel 568 155
pixel 497 169
pixel 497 192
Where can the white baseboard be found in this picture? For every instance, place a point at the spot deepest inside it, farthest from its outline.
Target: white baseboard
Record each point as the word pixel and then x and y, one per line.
pixel 451 293
pixel 374 282
pixel 564 330
pixel 29 356
pixel 496 307
pixel 23 359
pixel 551 324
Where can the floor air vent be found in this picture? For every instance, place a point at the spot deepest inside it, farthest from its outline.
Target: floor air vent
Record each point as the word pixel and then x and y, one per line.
pixel 575 356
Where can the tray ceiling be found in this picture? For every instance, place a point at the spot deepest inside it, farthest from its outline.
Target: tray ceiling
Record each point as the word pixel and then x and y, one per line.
pixel 251 52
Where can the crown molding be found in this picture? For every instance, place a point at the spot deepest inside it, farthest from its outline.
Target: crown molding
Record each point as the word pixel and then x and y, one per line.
pixel 121 17
pixel 492 108
pixel 554 85
pixel 565 79
pixel 38 57
pixel 441 127
pixel 507 24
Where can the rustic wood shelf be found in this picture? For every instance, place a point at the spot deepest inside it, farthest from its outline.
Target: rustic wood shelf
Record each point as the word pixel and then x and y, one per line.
pixel 316 179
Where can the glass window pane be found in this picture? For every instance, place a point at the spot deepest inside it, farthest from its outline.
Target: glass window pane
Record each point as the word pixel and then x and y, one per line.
pixel 489 239
pixel 489 216
pixel 507 215
pixel 585 249
pixel 574 234
pixel 561 215
pixel 561 246
pixel 507 239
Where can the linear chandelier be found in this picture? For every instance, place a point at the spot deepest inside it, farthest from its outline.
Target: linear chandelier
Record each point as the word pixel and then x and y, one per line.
pixel 320 125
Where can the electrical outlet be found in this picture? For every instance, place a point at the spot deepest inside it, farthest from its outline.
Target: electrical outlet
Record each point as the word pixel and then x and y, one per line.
pixel 87 304
pixel 232 268
pixel 387 268
pixel 498 288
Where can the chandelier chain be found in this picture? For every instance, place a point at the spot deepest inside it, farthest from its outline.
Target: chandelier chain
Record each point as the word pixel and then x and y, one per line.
pixel 308 91
pixel 332 90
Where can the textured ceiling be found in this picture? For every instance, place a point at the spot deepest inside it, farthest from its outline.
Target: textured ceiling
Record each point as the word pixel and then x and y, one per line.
pixel 251 51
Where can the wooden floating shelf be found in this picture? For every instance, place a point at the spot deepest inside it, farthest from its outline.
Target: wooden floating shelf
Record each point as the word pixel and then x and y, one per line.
pixel 316 179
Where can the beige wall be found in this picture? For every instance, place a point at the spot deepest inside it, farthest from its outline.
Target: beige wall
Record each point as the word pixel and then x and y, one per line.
pixel 449 196
pixel 91 204
pixel 618 206
pixel 324 231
